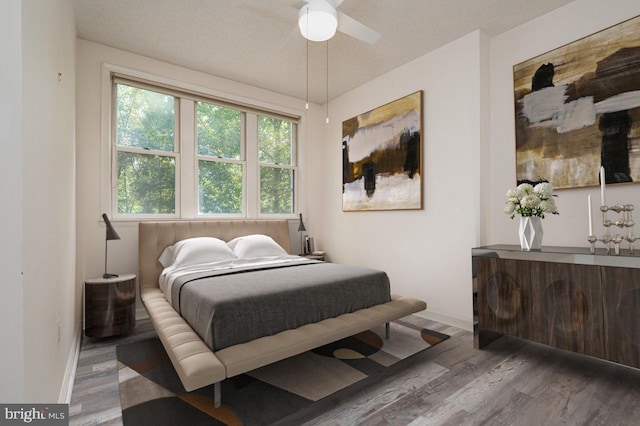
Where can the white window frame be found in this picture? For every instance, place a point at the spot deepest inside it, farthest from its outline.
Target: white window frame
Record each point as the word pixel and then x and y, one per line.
pixel 242 161
pixel 186 170
pixel 177 145
pixel 293 167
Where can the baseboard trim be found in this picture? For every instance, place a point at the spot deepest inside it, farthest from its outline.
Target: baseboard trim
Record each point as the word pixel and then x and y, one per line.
pixel 447 319
pixel 141 313
pixel 72 365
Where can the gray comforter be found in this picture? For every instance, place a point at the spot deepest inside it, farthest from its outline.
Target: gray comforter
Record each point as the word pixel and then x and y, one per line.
pixel 230 307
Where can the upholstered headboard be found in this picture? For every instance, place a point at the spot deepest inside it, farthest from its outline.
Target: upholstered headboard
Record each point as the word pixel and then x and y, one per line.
pixel 153 237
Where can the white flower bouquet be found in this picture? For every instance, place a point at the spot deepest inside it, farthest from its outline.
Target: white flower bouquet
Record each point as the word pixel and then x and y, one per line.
pixel 528 200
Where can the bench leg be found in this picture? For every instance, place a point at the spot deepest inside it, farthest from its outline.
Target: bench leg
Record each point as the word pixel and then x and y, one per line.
pixel 387 331
pixel 217 394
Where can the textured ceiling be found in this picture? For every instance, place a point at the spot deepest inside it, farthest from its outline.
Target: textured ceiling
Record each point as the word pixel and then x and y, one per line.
pixel 256 41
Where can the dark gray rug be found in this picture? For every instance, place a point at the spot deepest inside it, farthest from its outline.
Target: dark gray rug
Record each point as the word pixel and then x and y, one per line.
pixel 151 392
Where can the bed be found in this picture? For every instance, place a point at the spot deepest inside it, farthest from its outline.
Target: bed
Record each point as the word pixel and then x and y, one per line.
pixel 197 364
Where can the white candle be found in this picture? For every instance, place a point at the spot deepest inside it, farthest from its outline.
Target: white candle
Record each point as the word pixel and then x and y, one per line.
pixel 602 179
pixel 590 221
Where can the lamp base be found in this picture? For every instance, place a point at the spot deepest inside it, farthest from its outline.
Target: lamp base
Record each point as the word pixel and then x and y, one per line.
pixel 109 275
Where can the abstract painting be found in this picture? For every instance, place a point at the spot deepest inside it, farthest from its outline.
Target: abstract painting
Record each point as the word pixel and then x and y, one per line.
pixel 578 108
pixel 381 157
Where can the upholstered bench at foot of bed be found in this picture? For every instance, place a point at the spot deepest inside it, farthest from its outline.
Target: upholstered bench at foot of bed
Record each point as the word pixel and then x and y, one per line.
pixel 197 366
pixel 194 362
pixel 257 353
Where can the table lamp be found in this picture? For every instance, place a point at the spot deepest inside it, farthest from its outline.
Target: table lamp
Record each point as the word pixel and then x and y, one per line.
pixel 111 234
pixel 302 229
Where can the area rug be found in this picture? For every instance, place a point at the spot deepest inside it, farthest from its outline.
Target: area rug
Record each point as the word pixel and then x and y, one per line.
pixel 151 392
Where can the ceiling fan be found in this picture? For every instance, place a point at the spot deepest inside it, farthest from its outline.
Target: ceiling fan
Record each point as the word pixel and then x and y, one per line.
pixel 318 20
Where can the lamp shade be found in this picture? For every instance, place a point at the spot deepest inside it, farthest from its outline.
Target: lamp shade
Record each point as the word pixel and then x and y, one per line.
pixel 111 232
pixel 318 20
pixel 301 227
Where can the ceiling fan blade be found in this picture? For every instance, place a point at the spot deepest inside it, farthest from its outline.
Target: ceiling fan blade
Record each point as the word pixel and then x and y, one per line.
pixel 350 26
pixel 334 3
pixel 297 3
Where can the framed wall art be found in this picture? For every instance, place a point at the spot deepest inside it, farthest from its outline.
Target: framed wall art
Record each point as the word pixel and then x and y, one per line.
pixel 382 157
pixel 578 108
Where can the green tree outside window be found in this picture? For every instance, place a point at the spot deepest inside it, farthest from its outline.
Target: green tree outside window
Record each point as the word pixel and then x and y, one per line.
pixel 145 122
pixel 275 152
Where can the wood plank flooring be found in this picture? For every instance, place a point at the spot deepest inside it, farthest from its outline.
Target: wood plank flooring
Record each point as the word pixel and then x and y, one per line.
pixel 510 382
pixel 95 398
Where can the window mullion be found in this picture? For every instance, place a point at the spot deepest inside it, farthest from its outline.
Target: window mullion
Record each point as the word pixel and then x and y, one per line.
pixel 144 151
pixel 188 168
pixel 252 174
pixel 277 166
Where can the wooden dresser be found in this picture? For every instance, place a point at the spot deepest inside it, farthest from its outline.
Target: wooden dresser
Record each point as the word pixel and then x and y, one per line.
pixel 560 296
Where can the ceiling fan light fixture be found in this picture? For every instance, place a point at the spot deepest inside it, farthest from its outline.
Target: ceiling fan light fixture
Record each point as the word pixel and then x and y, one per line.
pixel 318 21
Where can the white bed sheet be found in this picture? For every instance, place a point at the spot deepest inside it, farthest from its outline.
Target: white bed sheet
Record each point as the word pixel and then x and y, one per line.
pixel 171 273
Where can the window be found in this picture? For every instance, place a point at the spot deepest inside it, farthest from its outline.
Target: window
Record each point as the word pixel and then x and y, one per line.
pixel 145 151
pixel 275 156
pixel 220 159
pixel 179 154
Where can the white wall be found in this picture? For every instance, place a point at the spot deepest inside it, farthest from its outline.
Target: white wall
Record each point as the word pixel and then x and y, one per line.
pixel 11 355
pixel 562 26
pixel 123 253
pixel 51 308
pixel 425 252
pixel 39 307
pixel 469 163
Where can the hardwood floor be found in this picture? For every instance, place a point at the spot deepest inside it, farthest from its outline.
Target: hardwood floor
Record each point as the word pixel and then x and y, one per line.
pixel 510 382
pixel 95 399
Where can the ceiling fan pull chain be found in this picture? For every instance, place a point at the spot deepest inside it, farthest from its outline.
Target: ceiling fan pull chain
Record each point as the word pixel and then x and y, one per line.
pixel 327 118
pixel 306 105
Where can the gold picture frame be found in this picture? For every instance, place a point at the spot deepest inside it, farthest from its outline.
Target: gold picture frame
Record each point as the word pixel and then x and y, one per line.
pixel 382 157
pixel 577 108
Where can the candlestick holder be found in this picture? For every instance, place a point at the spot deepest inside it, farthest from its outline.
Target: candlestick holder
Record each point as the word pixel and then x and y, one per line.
pixel 623 221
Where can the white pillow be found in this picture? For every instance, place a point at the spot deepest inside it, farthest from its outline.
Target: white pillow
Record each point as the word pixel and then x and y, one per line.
pixel 166 258
pixel 193 251
pixel 256 245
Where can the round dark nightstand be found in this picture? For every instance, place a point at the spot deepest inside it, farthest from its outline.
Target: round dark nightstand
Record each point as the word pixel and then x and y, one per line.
pixel 109 305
